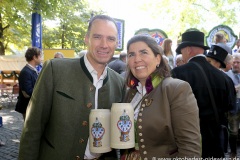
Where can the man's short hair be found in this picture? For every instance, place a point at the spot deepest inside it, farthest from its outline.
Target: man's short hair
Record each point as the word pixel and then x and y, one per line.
pixel 31 52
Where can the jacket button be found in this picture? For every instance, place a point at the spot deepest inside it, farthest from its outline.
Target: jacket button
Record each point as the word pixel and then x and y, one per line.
pixel 77 158
pixel 84 123
pixel 141 140
pixel 140 114
pixel 140 134
pixel 89 105
pixel 143 105
pixel 140 120
pixel 145 158
pixel 91 88
pixel 144 152
pixel 140 127
pixel 142 146
pixel 81 140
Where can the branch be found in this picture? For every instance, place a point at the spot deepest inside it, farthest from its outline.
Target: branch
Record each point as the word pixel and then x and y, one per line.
pixel 201 6
pixel 7 26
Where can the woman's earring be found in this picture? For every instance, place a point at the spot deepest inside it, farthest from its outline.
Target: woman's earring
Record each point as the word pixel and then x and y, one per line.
pixel 157 65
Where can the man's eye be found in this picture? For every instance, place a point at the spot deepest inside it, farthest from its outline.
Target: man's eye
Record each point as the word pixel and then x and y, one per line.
pixel 97 37
pixel 112 39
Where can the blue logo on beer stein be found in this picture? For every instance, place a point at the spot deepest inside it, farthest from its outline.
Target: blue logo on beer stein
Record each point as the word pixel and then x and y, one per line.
pixel 97 132
pixel 124 125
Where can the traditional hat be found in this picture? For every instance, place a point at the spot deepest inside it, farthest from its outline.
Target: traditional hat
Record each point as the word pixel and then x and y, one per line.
pixel 192 38
pixel 219 52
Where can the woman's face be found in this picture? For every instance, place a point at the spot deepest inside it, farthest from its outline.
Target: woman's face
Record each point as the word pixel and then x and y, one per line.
pixel 141 61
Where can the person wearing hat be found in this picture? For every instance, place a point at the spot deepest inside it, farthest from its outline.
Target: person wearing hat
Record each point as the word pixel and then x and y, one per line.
pixel 217 55
pixel 192 49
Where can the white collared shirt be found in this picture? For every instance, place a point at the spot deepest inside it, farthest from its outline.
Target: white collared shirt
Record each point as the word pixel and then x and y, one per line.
pixel 33 68
pixel 198 55
pixel 98 84
pixel 137 98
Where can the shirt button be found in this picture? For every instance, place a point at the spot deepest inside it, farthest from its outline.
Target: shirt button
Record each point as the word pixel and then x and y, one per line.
pixel 81 140
pixel 144 152
pixel 89 105
pixel 141 140
pixel 84 123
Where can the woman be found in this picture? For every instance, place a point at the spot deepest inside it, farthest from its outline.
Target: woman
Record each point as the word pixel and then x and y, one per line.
pixel 167 50
pixel 165 109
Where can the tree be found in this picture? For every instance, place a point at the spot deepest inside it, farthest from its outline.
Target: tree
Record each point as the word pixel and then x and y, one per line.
pixel 72 20
pixel 179 15
pixel 15 22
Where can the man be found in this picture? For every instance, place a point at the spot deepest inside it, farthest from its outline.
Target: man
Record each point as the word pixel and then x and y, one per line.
pixel 27 79
pixel 217 55
pixel 179 60
pixel 219 38
pixel 234 115
pixel 236 48
pixel 119 65
pixel 58 55
pixel 192 49
pixel 229 63
pixel 57 122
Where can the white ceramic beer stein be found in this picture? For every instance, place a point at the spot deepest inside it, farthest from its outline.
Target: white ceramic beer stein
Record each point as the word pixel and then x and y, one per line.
pixel 122 126
pixel 99 130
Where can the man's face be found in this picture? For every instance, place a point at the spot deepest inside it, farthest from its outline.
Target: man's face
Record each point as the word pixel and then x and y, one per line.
pixel 38 59
pixel 101 42
pixel 236 65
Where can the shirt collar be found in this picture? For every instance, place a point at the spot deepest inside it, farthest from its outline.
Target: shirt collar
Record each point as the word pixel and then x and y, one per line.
pixel 91 70
pixel 32 68
pixel 198 55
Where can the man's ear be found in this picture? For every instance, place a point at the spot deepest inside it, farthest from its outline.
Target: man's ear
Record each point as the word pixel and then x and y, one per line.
pixel 86 39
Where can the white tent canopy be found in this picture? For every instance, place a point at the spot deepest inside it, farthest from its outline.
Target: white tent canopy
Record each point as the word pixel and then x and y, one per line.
pixel 12 62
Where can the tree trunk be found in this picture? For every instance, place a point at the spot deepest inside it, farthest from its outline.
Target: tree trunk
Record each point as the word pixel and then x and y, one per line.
pixel 63 32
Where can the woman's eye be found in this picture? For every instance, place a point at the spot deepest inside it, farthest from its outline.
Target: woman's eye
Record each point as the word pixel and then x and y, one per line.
pixel 130 54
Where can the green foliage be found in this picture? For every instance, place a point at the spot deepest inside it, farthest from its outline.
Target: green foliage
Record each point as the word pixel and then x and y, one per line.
pixel 15 23
pixel 180 15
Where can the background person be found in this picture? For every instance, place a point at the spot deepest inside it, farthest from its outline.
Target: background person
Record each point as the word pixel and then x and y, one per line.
pixel 57 121
pixel 119 65
pixel 179 60
pixel 192 49
pixel 219 38
pixel 165 109
pixel 228 62
pixel 236 48
pixel 234 115
pixel 167 51
pixel 27 79
pixel 58 55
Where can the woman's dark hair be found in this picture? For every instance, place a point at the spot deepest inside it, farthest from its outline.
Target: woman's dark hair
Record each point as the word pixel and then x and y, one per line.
pixel 163 70
pixel 31 52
